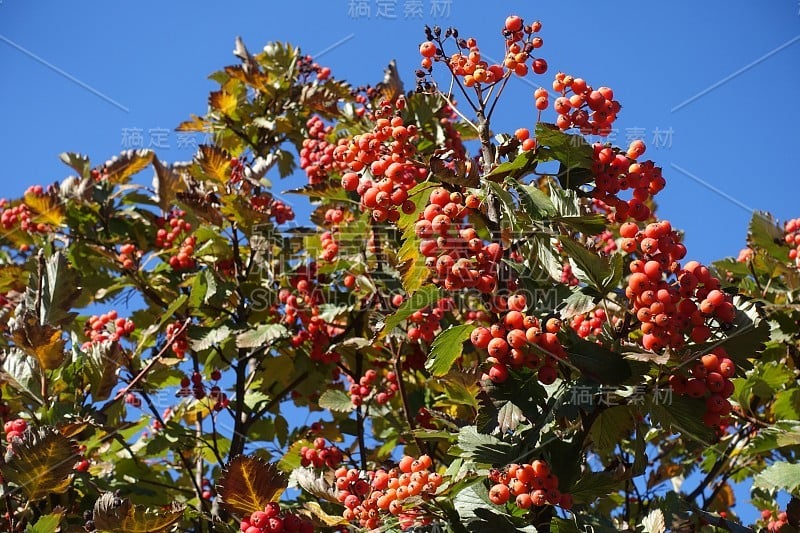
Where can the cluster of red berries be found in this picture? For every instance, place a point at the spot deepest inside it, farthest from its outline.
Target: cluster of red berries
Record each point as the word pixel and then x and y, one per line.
pixel 15 428
pixel 592 111
pixel 237 170
pixel 208 489
pixel 277 209
pixel 616 171
pixel 366 387
pixel 166 238
pixel 531 485
pixel 567 276
pixel 792 238
pixel 320 455
pixel 427 320
pixel 510 342
pixel 774 520
pixel 194 387
pixel 272 520
pixel 669 310
pixel 468 64
pixel 128 255
pixel 590 323
pixel 605 242
pixel 107 327
pixel 523 135
pixel 711 379
pixel 99 174
pixel 133 400
pixel 453 249
pixel 178 342
pixel 330 248
pixel 307 66
pixel 20 215
pixel 368 496
pixel 316 155
pixel 387 151
pixel 83 463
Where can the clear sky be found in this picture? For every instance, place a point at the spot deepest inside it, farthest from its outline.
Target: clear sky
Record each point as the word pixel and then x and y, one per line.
pixel 710 86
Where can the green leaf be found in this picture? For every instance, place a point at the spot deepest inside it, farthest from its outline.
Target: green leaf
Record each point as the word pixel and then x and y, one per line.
pixel 60 288
pixel 764 232
pixel 783 433
pixel 265 334
pixel 612 426
pixel 79 162
pixel 679 413
pixel 593 485
pixel 483 448
pixel 446 348
pixel 424 297
pixel 40 463
pixel 787 405
pixel 779 476
pixel 336 400
pixel 518 167
pixel 103 361
pixel 46 524
pixel 204 338
pixel 112 513
pixel 597 362
pixel 22 372
pixel 536 203
pixel 600 273
pixel 119 169
pixel 572 151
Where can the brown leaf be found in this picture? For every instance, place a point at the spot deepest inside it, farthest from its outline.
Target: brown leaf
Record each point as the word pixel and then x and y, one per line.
pixel 248 484
pixel 112 513
pixel 44 342
pixel 723 500
pixel 224 102
pixel 120 168
pixel 40 462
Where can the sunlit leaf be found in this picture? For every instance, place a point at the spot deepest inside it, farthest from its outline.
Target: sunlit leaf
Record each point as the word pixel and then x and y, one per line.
pixel 446 348
pixel 120 168
pixel 248 484
pixel 214 162
pixel 79 162
pixel 119 515
pixel 336 400
pixel 47 208
pixel 40 462
pixel 224 102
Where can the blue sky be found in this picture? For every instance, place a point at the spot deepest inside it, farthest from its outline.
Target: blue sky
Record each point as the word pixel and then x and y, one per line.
pixel 709 86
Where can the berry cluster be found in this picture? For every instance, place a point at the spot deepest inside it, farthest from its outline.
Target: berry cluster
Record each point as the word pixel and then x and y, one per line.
pixel 275 208
pixel 567 276
pixel 453 250
pixel 387 151
pixel 133 400
pixel 308 67
pixel 592 111
pixel 15 428
pixel 128 256
pixel 523 135
pixel 194 387
pixel 316 155
pixel 237 170
pixel 468 64
pixel 711 379
pixel 272 520
pixel 589 324
pixel 774 520
pixel 107 327
pixel 320 455
pixel 531 485
pixel 366 387
pixel 179 343
pixel 166 238
pixel 792 238
pixel 669 310
pixel 510 342
pixel 369 495
pixel 20 215
pixel 427 321
pixel 616 171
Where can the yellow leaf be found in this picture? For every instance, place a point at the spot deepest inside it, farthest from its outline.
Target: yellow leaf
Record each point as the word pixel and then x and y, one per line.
pixel 314 512
pixel 724 499
pixel 224 102
pixel 248 484
pixel 126 164
pixel 13 278
pixel 255 78
pixel 214 162
pixel 194 124
pixel 112 513
pixel 46 208
pixel 44 342
pixel 40 462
